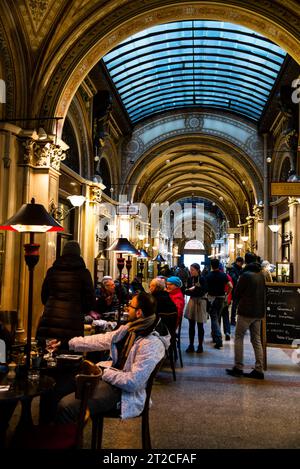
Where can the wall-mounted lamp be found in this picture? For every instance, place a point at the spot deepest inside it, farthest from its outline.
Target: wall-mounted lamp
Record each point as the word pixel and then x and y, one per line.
pixel 60 213
pixel 287 237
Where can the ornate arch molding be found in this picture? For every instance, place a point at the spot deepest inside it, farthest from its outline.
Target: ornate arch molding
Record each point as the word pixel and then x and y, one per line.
pixel 79 122
pixel 8 75
pixel 237 132
pixel 14 57
pixel 63 79
pixel 136 175
pixel 111 157
pixel 280 154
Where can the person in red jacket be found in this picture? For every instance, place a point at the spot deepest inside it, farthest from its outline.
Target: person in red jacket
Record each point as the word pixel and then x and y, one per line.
pixel 174 285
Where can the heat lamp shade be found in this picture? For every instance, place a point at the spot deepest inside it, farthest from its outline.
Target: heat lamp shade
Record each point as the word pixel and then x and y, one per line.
pixel 159 258
pixel 123 245
pixel 31 218
pixel 143 253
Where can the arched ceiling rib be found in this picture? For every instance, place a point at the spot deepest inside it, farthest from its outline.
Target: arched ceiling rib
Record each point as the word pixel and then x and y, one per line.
pixel 195 64
pixel 201 169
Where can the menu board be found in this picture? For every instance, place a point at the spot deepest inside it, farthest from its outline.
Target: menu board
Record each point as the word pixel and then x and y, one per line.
pixel 282 313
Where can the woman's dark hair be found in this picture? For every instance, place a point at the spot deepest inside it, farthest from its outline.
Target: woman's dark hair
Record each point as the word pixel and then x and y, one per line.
pixel 147 303
pixel 195 266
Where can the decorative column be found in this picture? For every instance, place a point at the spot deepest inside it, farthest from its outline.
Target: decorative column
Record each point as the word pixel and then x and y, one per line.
pixel 39 164
pixel 294 211
pixel 258 211
pixel 89 221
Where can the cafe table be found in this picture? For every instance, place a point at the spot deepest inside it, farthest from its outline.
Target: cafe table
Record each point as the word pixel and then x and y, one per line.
pixel 24 390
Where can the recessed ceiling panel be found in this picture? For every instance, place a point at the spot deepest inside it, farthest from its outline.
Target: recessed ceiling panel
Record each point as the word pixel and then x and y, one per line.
pixel 202 64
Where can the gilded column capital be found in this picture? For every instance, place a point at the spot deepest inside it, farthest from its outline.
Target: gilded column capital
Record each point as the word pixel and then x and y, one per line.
pixel 258 211
pixel 293 201
pixel 95 194
pixel 43 155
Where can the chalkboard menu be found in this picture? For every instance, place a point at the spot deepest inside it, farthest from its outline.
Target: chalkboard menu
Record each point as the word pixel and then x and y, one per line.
pixel 282 313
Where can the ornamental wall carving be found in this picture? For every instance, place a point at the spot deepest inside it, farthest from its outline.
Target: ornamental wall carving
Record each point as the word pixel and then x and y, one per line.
pixel 46 155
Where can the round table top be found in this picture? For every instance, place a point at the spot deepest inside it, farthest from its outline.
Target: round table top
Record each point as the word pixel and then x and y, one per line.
pixel 22 387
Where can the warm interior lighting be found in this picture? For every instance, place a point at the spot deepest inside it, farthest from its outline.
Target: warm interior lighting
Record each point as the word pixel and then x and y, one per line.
pixel 31 218
pixel 274 228
pixel 244 238
pixel 76 200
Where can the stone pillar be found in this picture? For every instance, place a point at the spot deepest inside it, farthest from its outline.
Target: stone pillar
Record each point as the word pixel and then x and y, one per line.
pixel 266 199
pixel 294 211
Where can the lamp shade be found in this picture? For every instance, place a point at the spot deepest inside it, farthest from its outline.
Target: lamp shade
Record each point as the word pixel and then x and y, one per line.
pixel 143 253
pixel 32 218
pixel 159 258
pixel 274 228
pixel 123 245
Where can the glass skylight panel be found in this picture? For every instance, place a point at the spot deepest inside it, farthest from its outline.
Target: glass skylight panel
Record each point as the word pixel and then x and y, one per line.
pixel 195 63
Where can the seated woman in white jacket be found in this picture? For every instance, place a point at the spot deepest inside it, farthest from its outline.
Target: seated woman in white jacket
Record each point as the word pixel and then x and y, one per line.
pixel 135 349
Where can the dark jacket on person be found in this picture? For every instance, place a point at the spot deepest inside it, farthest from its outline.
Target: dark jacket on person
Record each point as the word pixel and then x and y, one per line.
pixel 166 310
pixel 250 292
pixel 68 295
pixel 199 284
pixel 235 271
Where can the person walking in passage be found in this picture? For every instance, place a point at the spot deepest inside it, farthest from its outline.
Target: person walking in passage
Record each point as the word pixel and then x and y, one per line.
pixel 250 293
pixel 136 348
pixel 235 271
pixel 216 282
pixel 195 310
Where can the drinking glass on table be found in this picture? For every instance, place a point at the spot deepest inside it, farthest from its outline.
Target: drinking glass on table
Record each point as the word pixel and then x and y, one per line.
pixel 51 346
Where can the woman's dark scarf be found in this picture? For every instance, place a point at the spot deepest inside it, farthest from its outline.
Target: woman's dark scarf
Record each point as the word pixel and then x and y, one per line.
pixel 140 327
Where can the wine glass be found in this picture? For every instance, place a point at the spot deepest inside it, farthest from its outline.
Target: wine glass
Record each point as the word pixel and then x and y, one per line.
pixel 50 347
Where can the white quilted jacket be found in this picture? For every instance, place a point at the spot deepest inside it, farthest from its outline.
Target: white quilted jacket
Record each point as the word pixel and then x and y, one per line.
pixel 144 355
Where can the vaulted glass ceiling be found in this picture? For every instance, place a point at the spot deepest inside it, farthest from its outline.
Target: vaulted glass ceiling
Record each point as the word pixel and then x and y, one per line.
pixel 206 64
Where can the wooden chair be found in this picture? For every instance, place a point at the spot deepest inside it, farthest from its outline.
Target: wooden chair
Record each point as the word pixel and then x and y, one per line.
pixel 170 320
pixel 178 343
pixel 98 420
pixel 64 435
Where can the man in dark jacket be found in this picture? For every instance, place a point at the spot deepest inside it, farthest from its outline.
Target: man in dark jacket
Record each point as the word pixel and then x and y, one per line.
pixel 235 271
pixel 68 295
pixel 250 293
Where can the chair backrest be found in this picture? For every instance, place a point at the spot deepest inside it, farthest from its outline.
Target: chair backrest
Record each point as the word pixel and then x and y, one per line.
pixel 150 384
pixel 170 321
pixel 87 379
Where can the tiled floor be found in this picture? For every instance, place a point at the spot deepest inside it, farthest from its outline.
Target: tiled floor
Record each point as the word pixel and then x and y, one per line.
pixel 205 408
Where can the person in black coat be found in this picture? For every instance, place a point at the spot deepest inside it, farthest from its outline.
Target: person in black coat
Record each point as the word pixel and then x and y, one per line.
pixel 68 295
pixel 250 293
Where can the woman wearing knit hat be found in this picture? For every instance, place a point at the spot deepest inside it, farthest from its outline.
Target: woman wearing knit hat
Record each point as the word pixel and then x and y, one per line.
pixel 174 285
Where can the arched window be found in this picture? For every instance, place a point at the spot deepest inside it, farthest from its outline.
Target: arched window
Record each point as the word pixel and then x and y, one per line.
pixel 194 244
pixel 105 174
pixel 68 136
pixel 284 171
